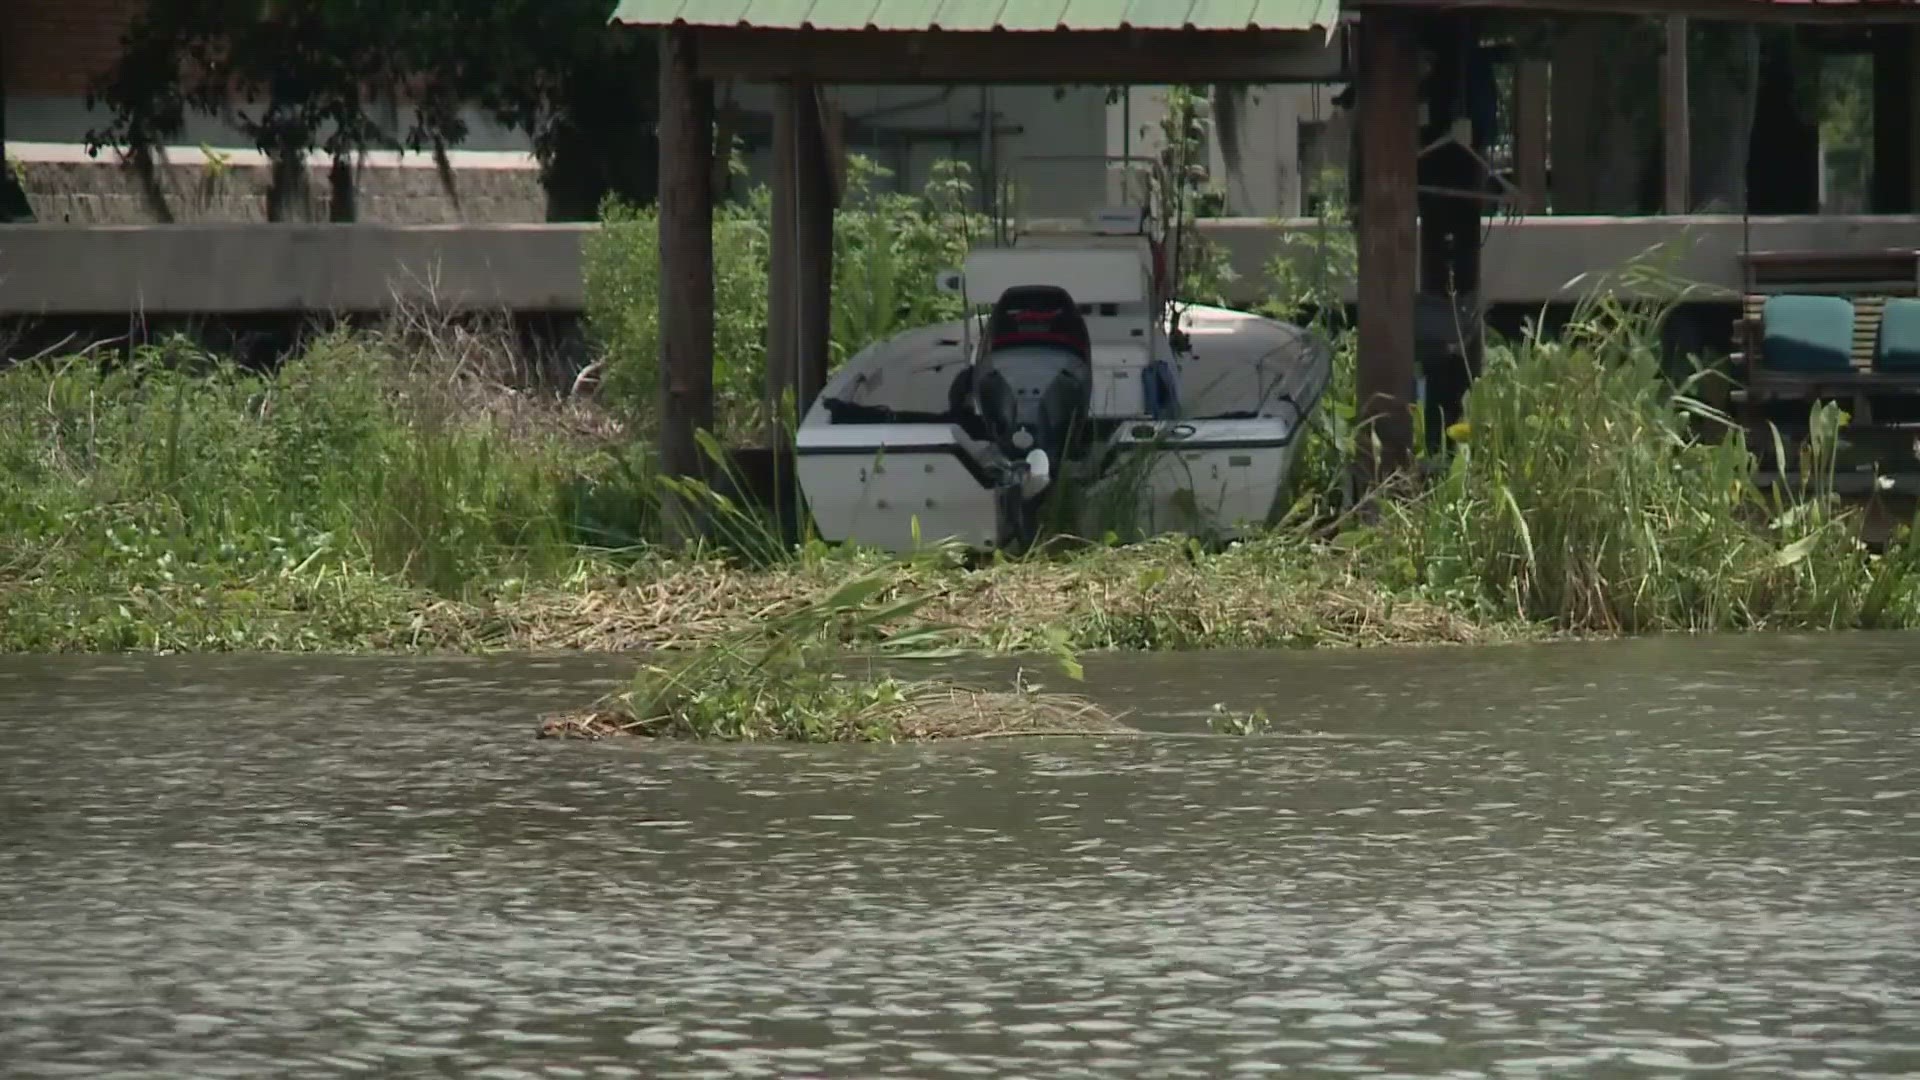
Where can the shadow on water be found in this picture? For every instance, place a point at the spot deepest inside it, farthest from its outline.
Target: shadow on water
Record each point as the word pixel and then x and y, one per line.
pixel 1618 859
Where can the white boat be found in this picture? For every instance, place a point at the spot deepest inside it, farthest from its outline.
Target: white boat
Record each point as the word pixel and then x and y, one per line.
pixel 1073 394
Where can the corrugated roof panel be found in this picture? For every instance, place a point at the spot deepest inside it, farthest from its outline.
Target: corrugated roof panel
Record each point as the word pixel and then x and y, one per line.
pixel 716 12
pixel 1158 14
pixel 1221 14
pixel 1096 14
pixel 1295 14
pixel 836 14
pixel 982 15
pixel 904 14
pixel 779 14
pixel 1033 15
pixel 692 12
pixel 647 12
pixel 971 14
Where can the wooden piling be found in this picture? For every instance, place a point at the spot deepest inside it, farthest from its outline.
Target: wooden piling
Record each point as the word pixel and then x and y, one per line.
pixel 783 335
pixel 1677 112
pixel 686 256
pixel 813 254
pixel 1389 104
pixel 1532 91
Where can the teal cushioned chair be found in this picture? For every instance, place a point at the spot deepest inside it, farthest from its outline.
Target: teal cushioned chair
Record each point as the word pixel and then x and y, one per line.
pixel 1899 346
pixel 1807 333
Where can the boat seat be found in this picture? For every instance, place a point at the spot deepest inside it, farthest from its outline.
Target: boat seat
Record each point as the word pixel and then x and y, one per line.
pixel 1039 315
pixel 1898 346
pixel 1807 333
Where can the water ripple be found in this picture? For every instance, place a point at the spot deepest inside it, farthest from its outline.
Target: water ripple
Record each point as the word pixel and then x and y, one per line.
pixel 1639 859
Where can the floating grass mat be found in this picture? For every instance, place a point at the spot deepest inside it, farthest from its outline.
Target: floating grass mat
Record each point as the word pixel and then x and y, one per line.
pixel 785 680
pixel 920 713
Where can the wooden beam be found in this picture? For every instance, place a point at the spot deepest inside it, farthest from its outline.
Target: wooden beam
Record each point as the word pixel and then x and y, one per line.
pixel 1099 58
pixel 1677 112
pixel 686 256
pixel 1532 90
pixel 1389 107
pixel 783 268
pixel 813 252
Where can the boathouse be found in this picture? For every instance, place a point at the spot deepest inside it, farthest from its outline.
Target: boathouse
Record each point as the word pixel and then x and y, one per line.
pixel 1425 192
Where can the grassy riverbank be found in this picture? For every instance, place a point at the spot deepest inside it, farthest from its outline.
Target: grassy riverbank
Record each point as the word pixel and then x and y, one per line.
pixel 371 495
pixel 411 488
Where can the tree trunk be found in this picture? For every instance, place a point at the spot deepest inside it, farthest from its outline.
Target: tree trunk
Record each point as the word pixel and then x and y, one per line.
pixel 287 187
pixel 342 199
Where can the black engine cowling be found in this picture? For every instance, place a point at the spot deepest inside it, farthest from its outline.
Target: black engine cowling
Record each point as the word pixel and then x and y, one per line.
pixel 1039 383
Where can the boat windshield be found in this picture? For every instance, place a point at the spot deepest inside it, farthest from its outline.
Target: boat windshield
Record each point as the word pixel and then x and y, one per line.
pixel 1080 193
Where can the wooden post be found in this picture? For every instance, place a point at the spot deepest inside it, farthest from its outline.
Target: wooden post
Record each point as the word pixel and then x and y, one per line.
pixel 1449 231
pixel 1677 111
pixel 813 253
pixel 1389 106
pixel 1577 64
pixel 1532 87
pixel 783 274
pixel 686 256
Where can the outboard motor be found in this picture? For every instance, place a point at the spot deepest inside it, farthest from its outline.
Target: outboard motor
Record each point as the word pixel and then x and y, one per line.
pixel 1038 374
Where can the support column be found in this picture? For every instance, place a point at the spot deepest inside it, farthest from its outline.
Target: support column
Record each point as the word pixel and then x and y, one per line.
pixel 783 332
pixel 686 256
pixel 1532 86
pixel 1389 120
pixel 1447 339
pixel 1677 110
pixel 813 250
pixel 1896 119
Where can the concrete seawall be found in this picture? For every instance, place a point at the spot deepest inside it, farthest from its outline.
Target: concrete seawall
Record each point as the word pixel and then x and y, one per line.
pixel 226 269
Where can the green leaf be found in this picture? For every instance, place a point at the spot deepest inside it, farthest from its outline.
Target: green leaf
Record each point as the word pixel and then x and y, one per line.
pixel 855 592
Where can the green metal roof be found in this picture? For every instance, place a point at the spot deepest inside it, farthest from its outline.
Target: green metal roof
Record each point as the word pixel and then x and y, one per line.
pixel 978 15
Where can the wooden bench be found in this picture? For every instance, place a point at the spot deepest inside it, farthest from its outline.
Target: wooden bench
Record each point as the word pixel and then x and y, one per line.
pixel 1868 280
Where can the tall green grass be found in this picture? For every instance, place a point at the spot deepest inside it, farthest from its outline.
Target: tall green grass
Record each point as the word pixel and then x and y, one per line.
pixel 888 250
pixel 1587 490
pixel 124 476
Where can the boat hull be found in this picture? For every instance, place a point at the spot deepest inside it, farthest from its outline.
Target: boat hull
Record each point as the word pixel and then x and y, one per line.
pixel 908 487
pixel 900 487
pixel 1220 478
pixel 881 465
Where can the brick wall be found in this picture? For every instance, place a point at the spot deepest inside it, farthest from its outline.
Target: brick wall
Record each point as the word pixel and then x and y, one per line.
pixel 59 46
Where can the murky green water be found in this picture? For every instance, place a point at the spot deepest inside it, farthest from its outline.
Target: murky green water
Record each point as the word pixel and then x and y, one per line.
pixel 1608 860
